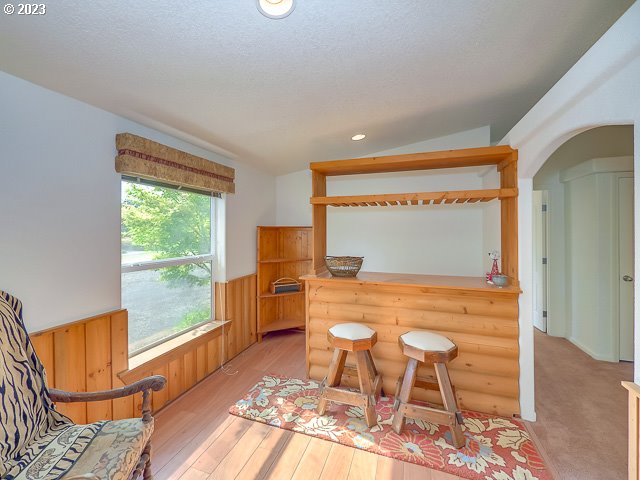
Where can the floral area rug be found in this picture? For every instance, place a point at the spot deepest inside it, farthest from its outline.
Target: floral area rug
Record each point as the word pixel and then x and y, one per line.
pixel 497 448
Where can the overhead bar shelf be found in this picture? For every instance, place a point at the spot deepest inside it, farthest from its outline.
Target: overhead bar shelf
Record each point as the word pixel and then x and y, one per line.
pixel 501 157
pixel 423 198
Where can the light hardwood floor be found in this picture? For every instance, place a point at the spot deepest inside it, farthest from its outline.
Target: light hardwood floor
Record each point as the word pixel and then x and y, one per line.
pixel 195 437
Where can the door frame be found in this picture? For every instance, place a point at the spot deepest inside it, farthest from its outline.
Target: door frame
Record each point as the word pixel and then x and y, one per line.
pixel 541 250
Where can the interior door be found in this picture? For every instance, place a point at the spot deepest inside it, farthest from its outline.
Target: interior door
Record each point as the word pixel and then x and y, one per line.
pixel 625 228
pixel 539 269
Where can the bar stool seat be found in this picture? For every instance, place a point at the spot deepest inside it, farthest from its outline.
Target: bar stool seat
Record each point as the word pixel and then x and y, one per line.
pixel 359 339
pixel 427 342
pixel 352 331
pixel 429 348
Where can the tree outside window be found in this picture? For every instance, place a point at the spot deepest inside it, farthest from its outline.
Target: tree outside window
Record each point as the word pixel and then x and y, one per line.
pixel 166 261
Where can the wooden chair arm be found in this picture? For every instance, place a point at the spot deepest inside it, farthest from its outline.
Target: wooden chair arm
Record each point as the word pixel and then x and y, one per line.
pixel 155 383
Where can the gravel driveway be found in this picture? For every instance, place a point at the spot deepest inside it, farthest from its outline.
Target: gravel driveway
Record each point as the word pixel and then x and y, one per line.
pixel 156 307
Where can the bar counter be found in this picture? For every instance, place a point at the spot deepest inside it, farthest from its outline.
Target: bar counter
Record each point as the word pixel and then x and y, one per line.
pixel 480 318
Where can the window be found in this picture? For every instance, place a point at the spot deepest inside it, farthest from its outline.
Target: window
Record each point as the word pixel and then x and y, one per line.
pixel 167 261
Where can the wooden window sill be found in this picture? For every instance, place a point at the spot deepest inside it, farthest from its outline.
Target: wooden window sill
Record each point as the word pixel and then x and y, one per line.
pixel 142 364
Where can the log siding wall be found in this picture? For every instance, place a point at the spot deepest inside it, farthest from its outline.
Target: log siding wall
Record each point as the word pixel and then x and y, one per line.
pixel 483 325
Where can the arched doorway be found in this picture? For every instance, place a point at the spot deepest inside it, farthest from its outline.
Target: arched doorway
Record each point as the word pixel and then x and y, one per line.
pixel 582 304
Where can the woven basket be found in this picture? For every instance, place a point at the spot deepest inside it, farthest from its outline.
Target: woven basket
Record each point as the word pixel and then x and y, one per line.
pixel 285 284
pixel 344 266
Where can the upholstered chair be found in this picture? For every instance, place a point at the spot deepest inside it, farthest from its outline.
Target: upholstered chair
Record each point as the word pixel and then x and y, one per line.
pixel 39 443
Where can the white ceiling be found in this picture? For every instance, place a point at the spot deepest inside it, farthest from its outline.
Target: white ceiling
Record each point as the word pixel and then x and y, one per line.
pixel 281 93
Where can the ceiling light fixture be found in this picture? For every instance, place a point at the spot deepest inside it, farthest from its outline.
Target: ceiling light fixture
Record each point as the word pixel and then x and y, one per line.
pixel 359 136
pixel 275 8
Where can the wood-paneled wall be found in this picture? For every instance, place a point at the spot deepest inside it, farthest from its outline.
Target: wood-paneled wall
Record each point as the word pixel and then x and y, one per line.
pixel 634 429
pixel 92 354
pixel 239 306
pixel 87 355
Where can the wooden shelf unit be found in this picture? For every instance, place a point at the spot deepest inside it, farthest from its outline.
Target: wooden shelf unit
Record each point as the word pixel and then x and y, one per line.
pixel 282 252
pixel 504 158
pixel 283 324
pixel 283 294
pixel 284 260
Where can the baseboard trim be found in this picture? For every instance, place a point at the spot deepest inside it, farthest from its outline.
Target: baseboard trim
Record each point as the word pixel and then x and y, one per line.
pixel 591 353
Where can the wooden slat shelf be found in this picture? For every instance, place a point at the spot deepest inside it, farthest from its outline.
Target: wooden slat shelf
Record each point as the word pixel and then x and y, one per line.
pixel 285 260
pixel 283 324
pixel 422 198
pixel 283 294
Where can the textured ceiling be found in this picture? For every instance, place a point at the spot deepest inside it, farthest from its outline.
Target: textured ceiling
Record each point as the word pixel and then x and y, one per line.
pixel 281 93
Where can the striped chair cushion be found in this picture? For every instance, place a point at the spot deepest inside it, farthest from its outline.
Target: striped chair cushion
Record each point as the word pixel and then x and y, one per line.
pixel 27 416
pixel 36 441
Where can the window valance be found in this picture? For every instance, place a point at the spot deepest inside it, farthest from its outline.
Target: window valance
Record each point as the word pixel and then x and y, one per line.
pixel 140 157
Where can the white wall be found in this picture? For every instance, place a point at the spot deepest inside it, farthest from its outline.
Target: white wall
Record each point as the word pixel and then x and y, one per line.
pixel 437 239
pixel 592 252
pixel 600 89
pixel 292 198
pixel 60 204
pixel 253 204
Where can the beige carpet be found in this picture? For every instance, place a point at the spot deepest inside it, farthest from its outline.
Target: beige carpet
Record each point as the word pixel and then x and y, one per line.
pixel 581 411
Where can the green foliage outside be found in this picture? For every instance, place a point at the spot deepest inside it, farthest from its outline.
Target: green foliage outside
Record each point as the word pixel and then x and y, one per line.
pixel 193 318
pixel 171 224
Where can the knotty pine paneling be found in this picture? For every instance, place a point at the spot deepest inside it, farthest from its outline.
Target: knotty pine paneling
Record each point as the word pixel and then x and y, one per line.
pixel 121 407
pixel 92 354
pixel 98 368
pixel 239 308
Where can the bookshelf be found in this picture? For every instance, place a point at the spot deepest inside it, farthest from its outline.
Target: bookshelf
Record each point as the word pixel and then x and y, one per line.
pixel 282 252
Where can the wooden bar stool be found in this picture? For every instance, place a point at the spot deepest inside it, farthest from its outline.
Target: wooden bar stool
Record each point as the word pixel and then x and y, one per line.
pixel 428 347
pixel 357 338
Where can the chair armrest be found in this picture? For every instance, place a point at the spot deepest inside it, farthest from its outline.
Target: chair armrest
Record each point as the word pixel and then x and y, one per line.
pixel 155 383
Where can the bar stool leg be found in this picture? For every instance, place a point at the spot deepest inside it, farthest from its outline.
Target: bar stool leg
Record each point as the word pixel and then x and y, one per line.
pixel 408 381
pixel 396 395
pixel 371 368
pixel 336 367
pixel 366 387
pixel 449 400
pixel 373 372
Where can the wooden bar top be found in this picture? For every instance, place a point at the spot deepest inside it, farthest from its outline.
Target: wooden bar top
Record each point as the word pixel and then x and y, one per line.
pixel 445 282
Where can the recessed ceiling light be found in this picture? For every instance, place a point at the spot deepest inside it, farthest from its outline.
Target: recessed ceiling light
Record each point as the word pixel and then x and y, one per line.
pixel 359 136
pixel 275 8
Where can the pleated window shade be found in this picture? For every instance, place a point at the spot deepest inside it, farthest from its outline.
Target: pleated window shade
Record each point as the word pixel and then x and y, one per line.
pixel 139 157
